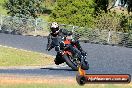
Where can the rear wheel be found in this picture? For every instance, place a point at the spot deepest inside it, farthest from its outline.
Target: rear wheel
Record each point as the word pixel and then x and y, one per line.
pixel 84 65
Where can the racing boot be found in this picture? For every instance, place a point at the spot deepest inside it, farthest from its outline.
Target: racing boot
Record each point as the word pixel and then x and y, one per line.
pixel 58 60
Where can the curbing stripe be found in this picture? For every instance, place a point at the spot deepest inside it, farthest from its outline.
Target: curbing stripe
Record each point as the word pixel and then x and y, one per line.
pixel 53 66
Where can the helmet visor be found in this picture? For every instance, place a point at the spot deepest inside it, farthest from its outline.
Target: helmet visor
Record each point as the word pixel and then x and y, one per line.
pixel 54 30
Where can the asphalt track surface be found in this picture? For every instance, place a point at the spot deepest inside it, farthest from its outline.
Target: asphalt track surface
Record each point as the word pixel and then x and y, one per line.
pixel 103 59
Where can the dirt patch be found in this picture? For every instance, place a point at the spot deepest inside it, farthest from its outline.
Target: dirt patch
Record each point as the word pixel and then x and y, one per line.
pixel 13 79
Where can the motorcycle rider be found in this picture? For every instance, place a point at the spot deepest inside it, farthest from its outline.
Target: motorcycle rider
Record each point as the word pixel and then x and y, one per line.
pixel 55 40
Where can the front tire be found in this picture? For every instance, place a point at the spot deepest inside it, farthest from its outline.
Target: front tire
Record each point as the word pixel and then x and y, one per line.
pixel 69 62
pixel 67 58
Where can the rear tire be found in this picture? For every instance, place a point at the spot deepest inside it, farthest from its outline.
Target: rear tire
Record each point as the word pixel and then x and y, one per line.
pixel 85 65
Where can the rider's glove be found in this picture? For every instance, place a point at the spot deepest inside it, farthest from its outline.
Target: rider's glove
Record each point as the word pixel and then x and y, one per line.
pixel 48 47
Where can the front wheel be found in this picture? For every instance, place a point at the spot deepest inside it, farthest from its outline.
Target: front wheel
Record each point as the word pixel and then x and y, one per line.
pixel 69 62
pixel 73 64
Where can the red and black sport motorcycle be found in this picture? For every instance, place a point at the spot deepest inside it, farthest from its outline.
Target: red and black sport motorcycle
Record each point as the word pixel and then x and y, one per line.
pixel 66 55
pixel 71 59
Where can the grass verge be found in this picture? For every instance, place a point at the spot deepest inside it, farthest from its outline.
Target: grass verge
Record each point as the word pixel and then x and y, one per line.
pixel 16 57
pixel 45 82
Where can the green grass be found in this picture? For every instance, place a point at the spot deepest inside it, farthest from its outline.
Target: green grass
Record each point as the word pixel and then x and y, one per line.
pixel 3 11
pixel 2 1
pixel 16 57
pixel 64 86
pixel 45 17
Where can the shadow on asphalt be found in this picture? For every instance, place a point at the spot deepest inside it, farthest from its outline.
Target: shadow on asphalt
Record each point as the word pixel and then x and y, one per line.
pixel 62 69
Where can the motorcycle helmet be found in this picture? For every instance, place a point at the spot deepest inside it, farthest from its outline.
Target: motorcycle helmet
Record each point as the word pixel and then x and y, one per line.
pixel 54 27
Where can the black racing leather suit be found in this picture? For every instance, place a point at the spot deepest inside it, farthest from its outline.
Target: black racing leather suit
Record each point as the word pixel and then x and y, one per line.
pixel 55 40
